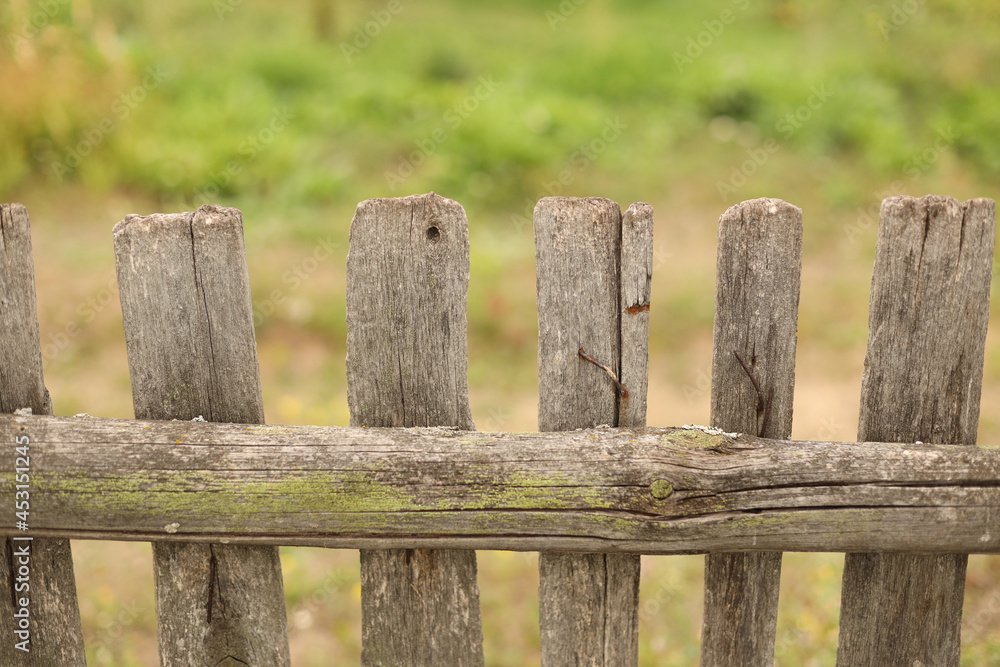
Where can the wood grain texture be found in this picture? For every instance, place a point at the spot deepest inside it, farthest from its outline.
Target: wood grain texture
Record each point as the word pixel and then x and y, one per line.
pixel 21 381
pixel 621 639
pixel 56 636
pixel 588 603
pixel 188 318
pixel 185 295
pixel 922 381
pixel 407 358
pixel 577 254
pixel 652 490
pixel 634 305
pixel 756 314
pixel 408 282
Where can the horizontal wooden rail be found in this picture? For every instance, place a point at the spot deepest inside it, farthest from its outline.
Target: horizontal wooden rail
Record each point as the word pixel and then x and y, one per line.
pixel 645 490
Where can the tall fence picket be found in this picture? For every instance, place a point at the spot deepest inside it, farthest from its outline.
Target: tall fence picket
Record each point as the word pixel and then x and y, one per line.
pixel 922 381
pixel 407 358
pixel 587 281
pixel 188 318
pixel 55 634
pixel 756 313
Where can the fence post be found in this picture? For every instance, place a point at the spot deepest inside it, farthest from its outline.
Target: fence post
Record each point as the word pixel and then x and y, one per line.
pixel 922 381
pixel 54 616
pixel 407 358
pixel 593 279
pixel 188 319
pixel 758 270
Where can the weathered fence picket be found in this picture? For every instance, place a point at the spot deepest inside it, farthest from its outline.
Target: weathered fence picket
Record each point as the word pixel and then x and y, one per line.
pixel 188 319
pixel 636 278
pixel 420 493
pixel 54 619
pixel 756 314
pixel 407 355
pixel 588 603
pixel 923 377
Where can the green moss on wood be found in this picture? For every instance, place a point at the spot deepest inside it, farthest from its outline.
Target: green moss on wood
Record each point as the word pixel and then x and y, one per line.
pixel 693 438
pixel 362 500
pixel 661 489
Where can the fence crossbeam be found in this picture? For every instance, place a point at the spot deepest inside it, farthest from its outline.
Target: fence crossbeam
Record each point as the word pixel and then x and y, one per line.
pixel 647 490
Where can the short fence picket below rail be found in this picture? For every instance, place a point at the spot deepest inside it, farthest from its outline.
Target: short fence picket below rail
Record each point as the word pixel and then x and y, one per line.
pixel 413 486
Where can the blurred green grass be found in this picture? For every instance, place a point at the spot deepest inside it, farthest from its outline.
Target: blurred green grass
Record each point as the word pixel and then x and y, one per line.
pixel 222 78
pixel 256 105
pixel 203 130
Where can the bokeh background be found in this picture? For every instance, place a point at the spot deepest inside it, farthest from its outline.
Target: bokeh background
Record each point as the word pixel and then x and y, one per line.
pixel 295 110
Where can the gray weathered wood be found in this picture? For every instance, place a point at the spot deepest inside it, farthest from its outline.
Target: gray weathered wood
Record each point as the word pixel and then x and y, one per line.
pixel 634 304
pixel 588 603
pixel 185 296
pixel 187 315
pixel 635 290
pixel 922 381
pixel 407 356
pixel 756 314
pixel 589 611
pixel 56 636
pixel 653 490
pixel 577 254
pixel 21 381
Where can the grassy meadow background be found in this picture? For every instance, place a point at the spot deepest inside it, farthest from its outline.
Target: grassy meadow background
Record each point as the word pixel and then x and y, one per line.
pixel 294 111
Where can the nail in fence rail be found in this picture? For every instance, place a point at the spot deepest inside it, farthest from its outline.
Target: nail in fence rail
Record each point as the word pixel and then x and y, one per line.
pixel 407 358
pixel 587 282
pixel 188 319
pixel 56 636
pixel 922 381
pixel 756 312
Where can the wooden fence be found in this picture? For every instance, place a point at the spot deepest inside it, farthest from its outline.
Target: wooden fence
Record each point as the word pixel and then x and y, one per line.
pixel 413 486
